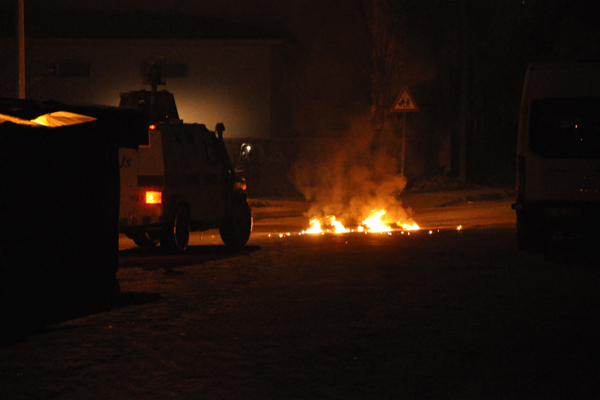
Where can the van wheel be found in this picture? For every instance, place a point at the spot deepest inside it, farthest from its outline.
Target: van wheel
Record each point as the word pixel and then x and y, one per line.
pixel 176 236
pixel 235 232
pixel 144 239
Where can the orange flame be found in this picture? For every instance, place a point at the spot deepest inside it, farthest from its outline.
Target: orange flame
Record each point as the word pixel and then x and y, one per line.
pixel 315 227
pixel 373 223
pixel 410 227
pixel 338 227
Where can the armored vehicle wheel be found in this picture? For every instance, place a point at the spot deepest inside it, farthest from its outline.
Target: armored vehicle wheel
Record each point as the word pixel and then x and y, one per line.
pixel 176 236
pixel 235 232
pixel 145 240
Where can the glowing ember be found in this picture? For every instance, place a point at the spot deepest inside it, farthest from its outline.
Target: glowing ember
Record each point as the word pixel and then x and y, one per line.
pixel 458 228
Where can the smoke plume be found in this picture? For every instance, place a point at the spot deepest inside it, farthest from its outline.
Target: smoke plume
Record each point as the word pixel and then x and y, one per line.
pixel 351 176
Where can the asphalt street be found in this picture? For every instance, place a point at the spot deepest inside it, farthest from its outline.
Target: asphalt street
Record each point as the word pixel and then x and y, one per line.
pixel 440 313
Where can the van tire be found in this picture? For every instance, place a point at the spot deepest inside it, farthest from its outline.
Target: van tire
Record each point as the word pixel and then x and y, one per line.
pixel 236 230
pixel 175 237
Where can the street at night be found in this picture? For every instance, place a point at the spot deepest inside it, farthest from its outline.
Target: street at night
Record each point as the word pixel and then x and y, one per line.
pixel 440 313
pixel 299 199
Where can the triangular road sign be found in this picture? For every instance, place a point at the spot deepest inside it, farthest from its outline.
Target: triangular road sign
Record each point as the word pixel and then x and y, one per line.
pixel 405 102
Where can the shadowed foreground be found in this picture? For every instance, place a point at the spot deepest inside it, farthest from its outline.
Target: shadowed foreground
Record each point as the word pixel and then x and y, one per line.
pixel 452 314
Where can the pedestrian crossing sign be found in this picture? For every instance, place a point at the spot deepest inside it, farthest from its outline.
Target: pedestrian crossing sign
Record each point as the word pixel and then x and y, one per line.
pixel 405 102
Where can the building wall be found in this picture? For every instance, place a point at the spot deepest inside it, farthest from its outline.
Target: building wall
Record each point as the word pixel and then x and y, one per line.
pixel 223 81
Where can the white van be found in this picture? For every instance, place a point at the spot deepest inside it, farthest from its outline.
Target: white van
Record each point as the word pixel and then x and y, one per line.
pixel 558 153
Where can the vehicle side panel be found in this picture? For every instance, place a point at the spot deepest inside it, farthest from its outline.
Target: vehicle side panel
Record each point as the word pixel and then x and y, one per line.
pixel 195 174
pixel 558 182
pixel 141 170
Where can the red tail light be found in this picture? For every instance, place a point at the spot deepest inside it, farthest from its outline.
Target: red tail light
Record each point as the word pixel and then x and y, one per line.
pixel 153 197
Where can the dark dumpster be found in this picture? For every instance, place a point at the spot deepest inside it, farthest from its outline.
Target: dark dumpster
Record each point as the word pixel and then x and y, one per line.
pixel 59 201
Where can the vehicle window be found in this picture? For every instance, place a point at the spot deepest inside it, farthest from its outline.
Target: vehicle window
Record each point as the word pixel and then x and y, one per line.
pixel 565 127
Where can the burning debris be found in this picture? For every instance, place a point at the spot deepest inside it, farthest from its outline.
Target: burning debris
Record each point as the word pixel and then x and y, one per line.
pixel 373 223
pixel 356 184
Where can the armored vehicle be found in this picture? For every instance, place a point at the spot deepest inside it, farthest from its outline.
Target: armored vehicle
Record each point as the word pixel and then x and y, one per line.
pixel 183 179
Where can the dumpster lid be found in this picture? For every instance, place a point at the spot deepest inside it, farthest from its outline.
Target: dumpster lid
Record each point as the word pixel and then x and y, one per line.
pixel 51 120
pixel 125 128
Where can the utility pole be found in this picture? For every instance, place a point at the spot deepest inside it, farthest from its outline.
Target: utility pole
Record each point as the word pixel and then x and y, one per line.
pixel 21 46
pixel 463 118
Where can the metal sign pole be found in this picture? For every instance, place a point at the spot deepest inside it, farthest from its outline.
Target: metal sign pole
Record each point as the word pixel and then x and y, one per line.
pixel 21 46
pixel 404 104
pixel 403 150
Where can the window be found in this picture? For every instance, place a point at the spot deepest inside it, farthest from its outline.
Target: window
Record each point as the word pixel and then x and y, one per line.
pixel 565 127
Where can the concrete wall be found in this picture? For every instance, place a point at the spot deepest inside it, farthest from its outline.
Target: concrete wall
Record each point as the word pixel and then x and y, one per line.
pixel 226 81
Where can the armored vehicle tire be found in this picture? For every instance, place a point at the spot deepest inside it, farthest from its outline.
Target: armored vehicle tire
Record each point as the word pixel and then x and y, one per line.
pixel 235 232
pixel 144 239
pixel 176 236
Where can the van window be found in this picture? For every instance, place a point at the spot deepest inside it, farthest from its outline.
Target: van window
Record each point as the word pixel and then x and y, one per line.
pixel 565 127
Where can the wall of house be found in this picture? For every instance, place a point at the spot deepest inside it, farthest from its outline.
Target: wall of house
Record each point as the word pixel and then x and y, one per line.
pixel 213 81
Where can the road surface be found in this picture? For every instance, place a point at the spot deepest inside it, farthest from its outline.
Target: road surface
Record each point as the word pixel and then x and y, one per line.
pixel 440 313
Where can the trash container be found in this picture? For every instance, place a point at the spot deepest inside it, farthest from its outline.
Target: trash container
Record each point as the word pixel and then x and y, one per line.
pixel 59 200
